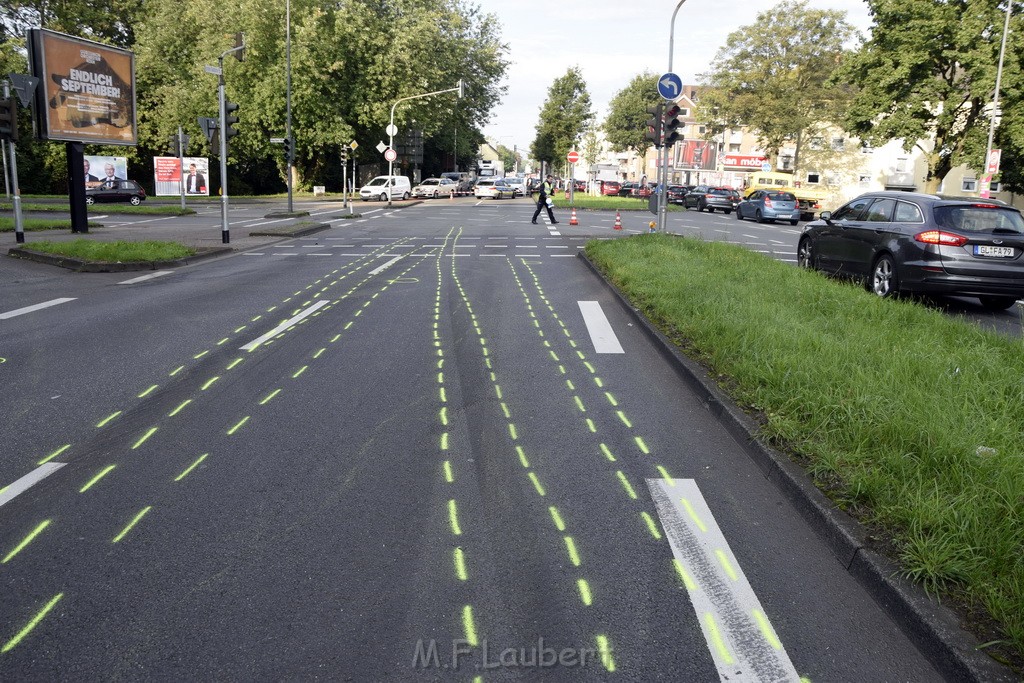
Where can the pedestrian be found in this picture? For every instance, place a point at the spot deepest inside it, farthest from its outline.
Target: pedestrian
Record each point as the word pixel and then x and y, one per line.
pixel 545 201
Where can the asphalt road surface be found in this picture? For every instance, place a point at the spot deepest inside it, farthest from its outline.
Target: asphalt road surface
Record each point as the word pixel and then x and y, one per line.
pixel 428 444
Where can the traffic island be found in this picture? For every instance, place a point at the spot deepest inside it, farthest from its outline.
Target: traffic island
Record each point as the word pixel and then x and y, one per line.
pixel 294 230
pixel 287 214
pixel 87 256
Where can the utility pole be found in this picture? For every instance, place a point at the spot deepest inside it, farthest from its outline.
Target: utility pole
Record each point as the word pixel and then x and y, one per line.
pixel 995 97
pixel 19 224
pixel 290 161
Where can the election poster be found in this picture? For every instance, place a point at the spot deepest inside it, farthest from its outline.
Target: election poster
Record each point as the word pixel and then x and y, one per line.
pixel 87 90
pixel 167 176
pixel 101 169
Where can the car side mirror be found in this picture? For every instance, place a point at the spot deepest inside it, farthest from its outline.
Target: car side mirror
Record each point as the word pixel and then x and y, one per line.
pixel 827 217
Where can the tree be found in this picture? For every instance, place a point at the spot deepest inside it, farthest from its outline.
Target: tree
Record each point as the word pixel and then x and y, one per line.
pixel 928 74
pixel 111 22
pixel 774 76
pixel 591 147
pixel 510 159
pixel 563 118
pixel 625 127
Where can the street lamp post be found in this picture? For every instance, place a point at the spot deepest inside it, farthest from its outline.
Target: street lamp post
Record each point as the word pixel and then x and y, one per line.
pixel 995 96
pixel 290 161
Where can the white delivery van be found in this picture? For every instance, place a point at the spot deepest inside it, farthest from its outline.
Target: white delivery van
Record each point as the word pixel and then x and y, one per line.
pixel 397 185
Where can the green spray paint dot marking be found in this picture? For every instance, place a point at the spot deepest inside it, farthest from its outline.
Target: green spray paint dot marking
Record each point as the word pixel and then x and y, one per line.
pixel 590 367
pixel 570 547
pixel 625 484
pixel 147 392
pixel 642 446
pixel 440 363
pixel 104 421
pixel 191 467
pixel 726 565
pixel 102 473
pixel 199 355
pixel 487 362
pixel 561 369
pixel 591 426
pixel 53 455
pixel 440 378
pixel 611 399
pixel 444 396
pixel 223 341
pixel 497 391
pixel 335 338
pixel 554 356
pixel 607 453
pixel 13 642
pixel 444 441
pixel 444 416
pixel 716 638
pixel 569 384
pixel 28 539
pixel 688 582
pixel 536 483
pixel 238 426
pixel 625 420
pixel 453 517
pixel 209 383
pixel 585 592
pixel 599 382
pixel 693 515
pixel 467 624
pixel 460 565
pixel 180 407
pixel 579 403
pixel 145 437
pixel 605 648
pixel 347 325
pixel 512 431
pixel 131 524
pixel 237 330
pixel 448 476
pixel 271 395
pixel 505 411
pixel 522 457
pixel 319 353
pixel 556 518
pixel 651 526
pixel 234 363
pixel 664 475
pixel 300 371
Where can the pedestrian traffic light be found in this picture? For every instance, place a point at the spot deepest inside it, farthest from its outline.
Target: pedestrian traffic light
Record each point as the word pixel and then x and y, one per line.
pixel 654 125
pixel 230 120
pixel 9 119
pixel 671 130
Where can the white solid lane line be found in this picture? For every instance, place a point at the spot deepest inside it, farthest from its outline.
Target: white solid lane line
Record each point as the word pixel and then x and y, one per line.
pixel 29 480
pixel 143 278
pixel 31 309
pixel 741 640
pixel 601 332
pixel 285 325
pixel 386 265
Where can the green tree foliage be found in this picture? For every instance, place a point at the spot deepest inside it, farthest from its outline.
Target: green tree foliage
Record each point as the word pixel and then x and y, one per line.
pixel 625 127
pixel 928 73
pixel 563 118
pixel 774 76
pixel 510 158
pixel 112 22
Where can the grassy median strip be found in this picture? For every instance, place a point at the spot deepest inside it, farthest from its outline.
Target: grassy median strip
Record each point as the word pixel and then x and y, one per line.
pixel 37 224
pixel 906 417
pixel 582 200
pixel 114 252
pixel 106 207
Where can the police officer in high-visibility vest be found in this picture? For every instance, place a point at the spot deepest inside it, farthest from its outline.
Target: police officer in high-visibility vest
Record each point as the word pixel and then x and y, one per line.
pixel 547 191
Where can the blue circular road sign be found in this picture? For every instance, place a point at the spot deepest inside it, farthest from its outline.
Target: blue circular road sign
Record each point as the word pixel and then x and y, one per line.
pixel 670 86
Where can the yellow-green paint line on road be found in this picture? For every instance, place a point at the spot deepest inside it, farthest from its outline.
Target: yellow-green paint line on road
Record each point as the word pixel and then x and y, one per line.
pixel 53 455
pixel 625 420
pixel 238 425
pixel 556 517
pixel 469 626
pixel 579 403
pixel 522 457
pixel 444 441
pixel 131 524
pixel 607 452
pixel 652 526
pixel 512 431
pixel 497 391
pixel 13 642
pixel 642 445
pixel 28 539
pixel 239 329
pixel 591 426
pixel 590 367
pixel 181 406
pixel 199 355
pixel 554 356
pixel 177 370
pixel 585 595
pixel 687 580
pixel 92 482
pixel 625 484
pixel 460 565
pixel 444 396
pixel 148 391
pixel 300 371
pixel 443 415
pixel 335 338
pixel 599 382
pixel 536 483
pixel 347 325
pixel 191 467
pixel 234 363
pixel 223 341
pixel 604 646
pixel 105 421
pixel 568 383
pixel 256 318
pixel 209 383
pixel 739 636
pixel 453 517
pixel 611 399
pixel 145 437
pixel 505 411
pixel 270 396
pixel 570 547
pixel 665 475
pixel 448 475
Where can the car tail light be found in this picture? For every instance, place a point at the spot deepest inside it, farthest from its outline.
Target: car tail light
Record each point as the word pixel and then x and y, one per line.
pixel 709 196
pixel 941 237
pixel 767 202
pixel 986 206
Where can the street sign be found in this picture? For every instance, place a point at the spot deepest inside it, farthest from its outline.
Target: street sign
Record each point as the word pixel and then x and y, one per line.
pixel 381 147
pixel 391 130
pixel 215 70
pixel 993 160
pixel 277 141
pixel 766 167
pixel 670 86
pixel 24 87
pixel 390 154
pixel 354 144
pixel 572 157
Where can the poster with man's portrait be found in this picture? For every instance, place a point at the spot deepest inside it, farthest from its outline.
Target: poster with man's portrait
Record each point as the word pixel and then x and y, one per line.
pixel 100 170
pixel 169 180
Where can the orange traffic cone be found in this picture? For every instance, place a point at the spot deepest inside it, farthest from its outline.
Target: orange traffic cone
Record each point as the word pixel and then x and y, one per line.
pixel 618 221
pixel 572 218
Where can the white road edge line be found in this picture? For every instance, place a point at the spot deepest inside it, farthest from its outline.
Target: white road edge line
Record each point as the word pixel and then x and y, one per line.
pixel 601 332
pixel 33 308
pixel 143 278
pixel 285 325
pixel 741 640
pixel 29 480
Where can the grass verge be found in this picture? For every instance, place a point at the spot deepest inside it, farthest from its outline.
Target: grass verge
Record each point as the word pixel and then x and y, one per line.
pixel 154 210
pixel 907 418
pixel 586 201
pixel 115 252
pixel 37 224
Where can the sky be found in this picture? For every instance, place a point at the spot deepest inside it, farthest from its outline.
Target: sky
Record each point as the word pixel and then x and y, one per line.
pixel 612 41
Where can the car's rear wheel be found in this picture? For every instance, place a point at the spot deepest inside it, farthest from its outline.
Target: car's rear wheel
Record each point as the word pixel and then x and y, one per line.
pixel 805 254
pixel 884 281
pixel 997 303
pixel 727 211
pixel 90 200
pixel 758 216
pixel 739 215
pixel 383 196
pixel 435 194
pixel 405 196
pixel 135 201
pixel 793 222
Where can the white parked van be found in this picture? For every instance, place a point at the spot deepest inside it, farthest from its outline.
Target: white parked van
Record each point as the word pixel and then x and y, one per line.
pixel 397 185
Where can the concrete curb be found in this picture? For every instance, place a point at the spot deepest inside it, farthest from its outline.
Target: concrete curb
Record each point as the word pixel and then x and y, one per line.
pixel 82 266
pixel 285 214
pixel 934 628
pixel 293 231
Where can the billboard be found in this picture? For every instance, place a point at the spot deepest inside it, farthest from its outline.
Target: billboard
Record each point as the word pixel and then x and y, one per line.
pixel 167 176
pixel 696 155
pixel 100 169
pixel 87 90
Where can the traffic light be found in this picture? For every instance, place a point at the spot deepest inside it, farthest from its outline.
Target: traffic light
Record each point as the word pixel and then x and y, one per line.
pixel 287 148
pixel 671 130
pixel 172 145
pixel 209 127
pixel 9 119
pixel 184 143
pixel 344 154
pixel 230 120
pixel 239 43
pixel 654 125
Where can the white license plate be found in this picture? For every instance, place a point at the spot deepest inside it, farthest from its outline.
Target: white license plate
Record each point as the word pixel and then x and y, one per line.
pixel 999 252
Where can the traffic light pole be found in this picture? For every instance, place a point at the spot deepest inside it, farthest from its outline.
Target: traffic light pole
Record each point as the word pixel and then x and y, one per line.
pixel 662 187
pixel 225 233
pixel 19 225
pixel 181 166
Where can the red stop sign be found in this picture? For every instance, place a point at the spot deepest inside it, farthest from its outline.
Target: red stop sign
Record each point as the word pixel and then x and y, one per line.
pixel 572 157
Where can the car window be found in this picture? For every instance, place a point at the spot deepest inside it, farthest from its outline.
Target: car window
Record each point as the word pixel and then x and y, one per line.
pixel 907 213
pixel 852 211
pixel 720 192
pixel 880 211
pixel 376 182
pixel 781 196
pixel 431 181
pixel 979 218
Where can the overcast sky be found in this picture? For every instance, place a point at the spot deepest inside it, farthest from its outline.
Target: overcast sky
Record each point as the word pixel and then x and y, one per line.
pixel 612 41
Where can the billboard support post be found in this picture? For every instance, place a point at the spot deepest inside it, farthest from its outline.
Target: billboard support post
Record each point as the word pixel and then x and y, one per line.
pixel 19 226
pixel 181 166
pixel 75 153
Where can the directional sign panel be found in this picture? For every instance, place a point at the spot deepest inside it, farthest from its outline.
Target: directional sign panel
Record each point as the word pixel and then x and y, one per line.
pixel 670 86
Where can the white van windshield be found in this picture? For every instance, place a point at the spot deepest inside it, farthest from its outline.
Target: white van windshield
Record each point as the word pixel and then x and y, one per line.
pixel 379 181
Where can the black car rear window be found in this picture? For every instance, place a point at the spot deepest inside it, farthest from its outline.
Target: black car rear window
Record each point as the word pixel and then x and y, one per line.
pixel 721 191
pixel 988 218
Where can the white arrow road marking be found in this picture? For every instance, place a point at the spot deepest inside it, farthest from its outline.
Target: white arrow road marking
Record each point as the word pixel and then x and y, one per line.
pixel 33 308
pixel 29 480
pixel 601 332
pixel 143 278
pixel 742 641
pixel 285 325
